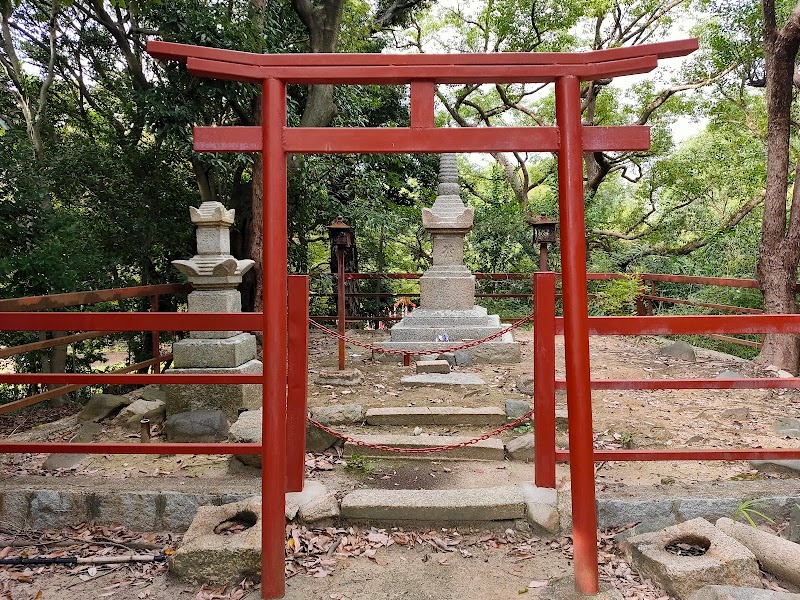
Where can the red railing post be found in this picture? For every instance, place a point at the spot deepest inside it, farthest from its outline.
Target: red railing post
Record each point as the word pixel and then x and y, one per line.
pixel 544 377
pixel 297 383
pixel 273 432
pixel 156 335
pixel 576 331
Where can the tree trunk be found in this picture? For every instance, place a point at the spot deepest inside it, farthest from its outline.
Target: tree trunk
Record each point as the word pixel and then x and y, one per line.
pixel 779 250
pixel 58 364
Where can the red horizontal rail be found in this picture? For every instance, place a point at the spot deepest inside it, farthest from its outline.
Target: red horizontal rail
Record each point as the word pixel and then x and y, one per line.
pixel 103 321
pixel 101 379
pixel 180 52
pixel 691 384
pixel 690 454
pixel 729 308
pixel 52 301
pixel 417 139
pixel 689 324
pixel 123 448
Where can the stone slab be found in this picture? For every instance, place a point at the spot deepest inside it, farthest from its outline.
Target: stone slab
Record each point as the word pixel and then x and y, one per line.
pixel 432 366
pixel 564 588
pixel 435 415
pixel 228 398
pixel 729 592
pixel 443 379
pixel 791 467
pixel 464 505
pixel 491 449
pixel 541 507
pixel 199 353
pixel 101 406
pixel 85 434
pixel 726 561
pixel 336 377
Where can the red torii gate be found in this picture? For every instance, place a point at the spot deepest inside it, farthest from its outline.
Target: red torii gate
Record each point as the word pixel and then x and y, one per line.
pixel 569 138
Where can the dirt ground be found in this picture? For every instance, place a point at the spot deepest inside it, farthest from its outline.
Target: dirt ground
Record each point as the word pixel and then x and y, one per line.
pixel 482 564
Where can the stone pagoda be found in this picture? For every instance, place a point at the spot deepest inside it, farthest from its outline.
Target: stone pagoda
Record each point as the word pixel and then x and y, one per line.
pixel 448 313
pixel 215 275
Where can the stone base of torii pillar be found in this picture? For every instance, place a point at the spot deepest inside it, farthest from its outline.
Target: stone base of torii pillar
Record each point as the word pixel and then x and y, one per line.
pixel 447 290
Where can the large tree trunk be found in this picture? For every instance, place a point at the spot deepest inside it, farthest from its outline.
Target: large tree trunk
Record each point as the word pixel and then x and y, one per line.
pixel 776 270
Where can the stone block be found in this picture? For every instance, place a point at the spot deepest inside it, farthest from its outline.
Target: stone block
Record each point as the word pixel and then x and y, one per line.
pixel 432 366
pixel 541 507
pixel 207 556
pixel 339 414
pixel 516 408
pixel 435 415
pixel 794 524
pixel 215 301
pixel 787 427
pixel 131 415
pixel 153 392
pixel 296 500
pixel 525 384
pixel 680 350
pixel 449 357
pixel 564 588
pixel 85 434
pixel 464 358
pixel 521 448
pixel 200 353
pixel 725 560
pixel 336 377
pixel 453 505
pixel 775 554
pixel 789 467
pixel 228 398
pixel 247 430
pixel 491 449
pixel 319 509
pixel 729 592
pixel 460 291
pixel 318 440
pixel 203 426
pixel 101 406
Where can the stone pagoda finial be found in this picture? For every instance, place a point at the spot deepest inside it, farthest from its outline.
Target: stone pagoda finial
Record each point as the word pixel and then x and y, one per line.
pixel 448 213
pixel 213 267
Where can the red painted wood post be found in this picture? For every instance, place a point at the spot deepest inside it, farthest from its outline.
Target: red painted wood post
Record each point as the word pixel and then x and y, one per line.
pixel 576 332
pixel 296 409
pixel 156 335
pixel 273 432
pixel 544 377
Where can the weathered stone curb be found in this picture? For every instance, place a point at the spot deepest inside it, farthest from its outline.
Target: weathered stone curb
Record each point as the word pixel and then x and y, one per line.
pixel 436 415
pixel 491 449
pixel 486 504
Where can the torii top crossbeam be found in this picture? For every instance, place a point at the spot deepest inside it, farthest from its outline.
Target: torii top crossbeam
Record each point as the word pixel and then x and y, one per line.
pixel 569 138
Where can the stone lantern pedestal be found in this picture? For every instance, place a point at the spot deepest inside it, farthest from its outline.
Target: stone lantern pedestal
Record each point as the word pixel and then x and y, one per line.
pixel 214 273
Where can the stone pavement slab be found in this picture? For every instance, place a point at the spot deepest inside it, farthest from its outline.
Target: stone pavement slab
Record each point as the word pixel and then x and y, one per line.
pixel 443 379
pixel 464 505
pixel 491 449
pixel 436 415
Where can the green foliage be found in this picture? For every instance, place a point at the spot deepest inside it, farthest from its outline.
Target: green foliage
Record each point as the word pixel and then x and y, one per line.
pixel 748 509
pixel 360 464
pixel 616 296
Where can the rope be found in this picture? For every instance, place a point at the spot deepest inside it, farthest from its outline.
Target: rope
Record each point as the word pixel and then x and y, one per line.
pixel 470 344
pixel 430 449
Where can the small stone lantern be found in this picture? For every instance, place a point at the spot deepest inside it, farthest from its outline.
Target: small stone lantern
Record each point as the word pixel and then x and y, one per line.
pixel 544 233
pixel 341 236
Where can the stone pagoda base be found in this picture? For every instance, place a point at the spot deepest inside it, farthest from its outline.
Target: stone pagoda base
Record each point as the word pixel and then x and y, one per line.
pixel 420 330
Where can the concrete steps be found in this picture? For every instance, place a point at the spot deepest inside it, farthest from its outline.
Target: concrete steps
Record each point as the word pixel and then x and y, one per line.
pixel 436 415
pixel 491 449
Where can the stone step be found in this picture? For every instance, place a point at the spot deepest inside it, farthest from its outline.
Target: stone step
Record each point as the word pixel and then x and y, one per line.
pixel 464 505
pixel 491 449
pixel 436 415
